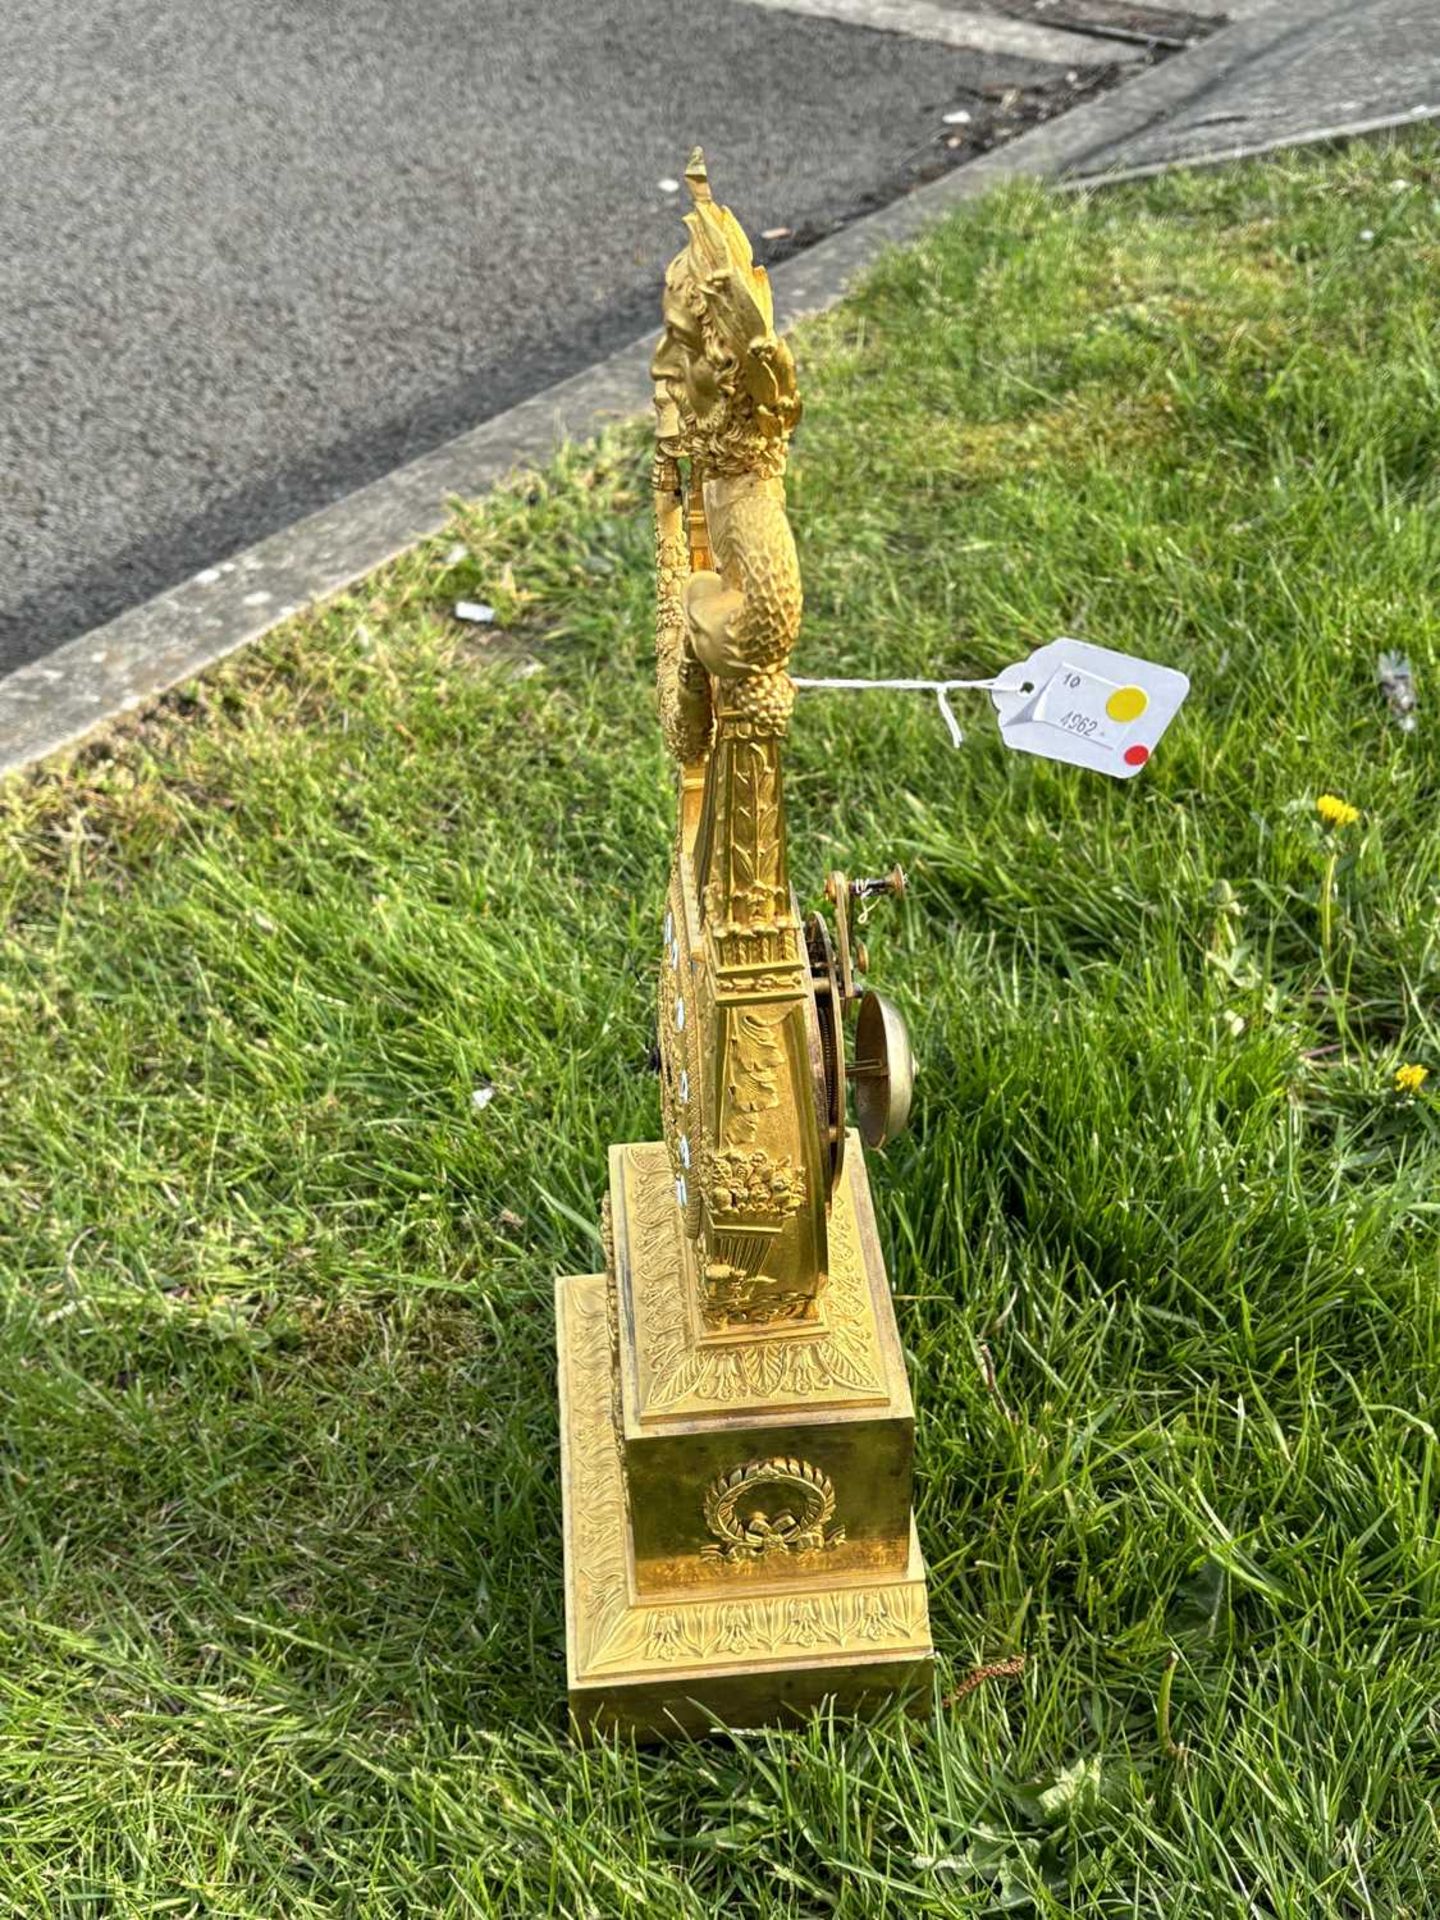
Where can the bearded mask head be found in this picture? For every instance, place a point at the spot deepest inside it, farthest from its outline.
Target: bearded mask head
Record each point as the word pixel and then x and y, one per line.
pixel 724 380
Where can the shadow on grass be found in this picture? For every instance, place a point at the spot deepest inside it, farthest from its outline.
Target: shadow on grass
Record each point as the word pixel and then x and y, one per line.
pixel 354 1503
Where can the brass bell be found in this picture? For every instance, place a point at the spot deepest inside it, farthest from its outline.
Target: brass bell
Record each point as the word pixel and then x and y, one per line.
pixel 883 1074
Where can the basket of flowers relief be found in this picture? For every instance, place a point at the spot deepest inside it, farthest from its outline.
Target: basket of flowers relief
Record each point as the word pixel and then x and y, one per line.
pixel 749 1197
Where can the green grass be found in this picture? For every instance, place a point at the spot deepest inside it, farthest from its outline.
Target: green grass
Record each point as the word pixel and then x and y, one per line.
pixel 280 1591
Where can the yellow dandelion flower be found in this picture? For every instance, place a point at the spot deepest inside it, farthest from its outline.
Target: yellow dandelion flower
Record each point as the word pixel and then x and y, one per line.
pixel 1411 1079
pixel 1336 812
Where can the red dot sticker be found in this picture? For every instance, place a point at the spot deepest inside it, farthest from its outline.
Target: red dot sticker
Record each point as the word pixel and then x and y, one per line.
pixel 1137 755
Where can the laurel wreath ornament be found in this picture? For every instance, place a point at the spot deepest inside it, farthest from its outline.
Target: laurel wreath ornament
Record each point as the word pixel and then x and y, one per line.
pixel 770 1506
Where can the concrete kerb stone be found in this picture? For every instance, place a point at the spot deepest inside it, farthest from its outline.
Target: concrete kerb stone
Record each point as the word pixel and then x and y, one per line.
pixel 1253 150
pixel 114 669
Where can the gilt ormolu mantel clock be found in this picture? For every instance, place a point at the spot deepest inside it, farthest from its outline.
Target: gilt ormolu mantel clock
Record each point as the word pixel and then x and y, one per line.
pixel 737 1429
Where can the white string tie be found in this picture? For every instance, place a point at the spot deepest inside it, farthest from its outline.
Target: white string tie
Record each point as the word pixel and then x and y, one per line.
pixel 940 688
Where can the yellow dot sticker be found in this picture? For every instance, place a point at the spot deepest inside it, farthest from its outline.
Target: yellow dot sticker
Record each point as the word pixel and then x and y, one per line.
pixel 1127 703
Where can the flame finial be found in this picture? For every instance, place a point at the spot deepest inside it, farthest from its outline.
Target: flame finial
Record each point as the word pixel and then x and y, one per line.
pixel 697 179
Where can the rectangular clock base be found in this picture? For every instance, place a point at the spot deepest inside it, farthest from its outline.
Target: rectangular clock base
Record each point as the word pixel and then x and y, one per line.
pixel 768 1651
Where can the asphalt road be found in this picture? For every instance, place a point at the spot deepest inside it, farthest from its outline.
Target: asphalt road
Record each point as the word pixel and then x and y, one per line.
pixel 255 254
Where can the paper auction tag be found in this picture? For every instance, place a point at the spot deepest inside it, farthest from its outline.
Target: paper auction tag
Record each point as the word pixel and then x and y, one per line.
pixel 1088 706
